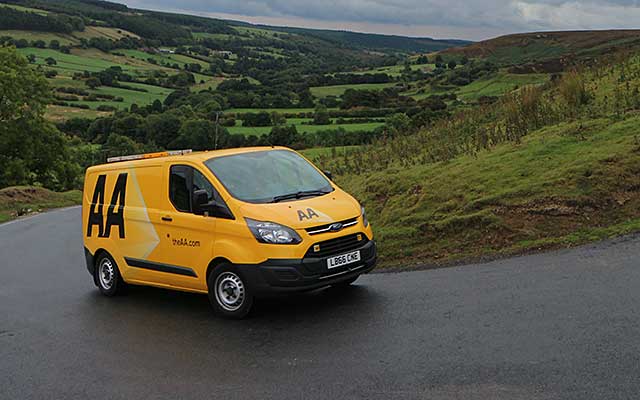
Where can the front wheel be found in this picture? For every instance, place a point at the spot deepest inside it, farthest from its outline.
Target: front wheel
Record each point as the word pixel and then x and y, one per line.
pixel 229 294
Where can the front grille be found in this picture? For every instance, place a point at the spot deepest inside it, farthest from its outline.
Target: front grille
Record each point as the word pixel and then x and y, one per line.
pixel 337 246
pixel 316 230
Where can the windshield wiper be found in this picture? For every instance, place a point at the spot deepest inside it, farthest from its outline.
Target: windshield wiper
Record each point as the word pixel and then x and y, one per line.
pixel 298 195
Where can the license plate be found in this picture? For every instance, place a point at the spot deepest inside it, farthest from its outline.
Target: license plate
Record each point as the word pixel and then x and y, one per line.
pixel 339 261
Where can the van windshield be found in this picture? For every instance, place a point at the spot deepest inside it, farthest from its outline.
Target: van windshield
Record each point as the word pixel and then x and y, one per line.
pixel 269 176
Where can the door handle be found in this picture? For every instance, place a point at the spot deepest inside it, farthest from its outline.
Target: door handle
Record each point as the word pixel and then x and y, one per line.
pixel 168 219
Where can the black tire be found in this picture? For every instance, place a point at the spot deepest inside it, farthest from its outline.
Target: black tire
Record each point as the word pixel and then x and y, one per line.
pixel 107 276
pixel 345 284
pixel 229 294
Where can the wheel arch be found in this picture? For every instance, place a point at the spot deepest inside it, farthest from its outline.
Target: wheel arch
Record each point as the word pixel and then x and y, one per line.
pixel 213 265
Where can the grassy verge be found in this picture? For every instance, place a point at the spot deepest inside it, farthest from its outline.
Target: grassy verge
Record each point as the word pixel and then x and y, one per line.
pixel 22 200
pixel 563 185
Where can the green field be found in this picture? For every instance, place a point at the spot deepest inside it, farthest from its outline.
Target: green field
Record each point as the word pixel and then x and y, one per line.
pixel 70 63
pixel 161 58
pixel 270 110
pixel 26 9
pixel 263 130
pixel 218 36
pixel 499 85
pixel 395 70
pixel 338 90
pixel 31 36
pixel 93 60
pixel 60 113
pixel 129 96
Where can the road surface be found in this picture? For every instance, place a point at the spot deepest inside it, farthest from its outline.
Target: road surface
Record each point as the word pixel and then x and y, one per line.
pixel 559 325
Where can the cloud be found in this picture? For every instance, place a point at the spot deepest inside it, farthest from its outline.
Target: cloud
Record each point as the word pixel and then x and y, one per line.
pixel 478 17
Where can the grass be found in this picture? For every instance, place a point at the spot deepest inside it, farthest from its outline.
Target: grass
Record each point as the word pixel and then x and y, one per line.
pixel 22 200
pixel 64 40
pixel 317 152
pixel 129 96
pixel 263 130
pixel 217 36
pixel 396 70
pixel 563 185
pixel 60 113
pixel 338 90
pixel 270 110
pixel 179 59
pixel 498 85
pixel 104 32
pixel 26 9
pixel 70 63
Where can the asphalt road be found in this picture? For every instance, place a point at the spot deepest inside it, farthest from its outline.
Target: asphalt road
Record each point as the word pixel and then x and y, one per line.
pixel 560 325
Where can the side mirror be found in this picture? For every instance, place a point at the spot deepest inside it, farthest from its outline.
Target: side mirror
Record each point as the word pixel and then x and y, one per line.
pixel 202 206
pixel 328 175
pixel 200 199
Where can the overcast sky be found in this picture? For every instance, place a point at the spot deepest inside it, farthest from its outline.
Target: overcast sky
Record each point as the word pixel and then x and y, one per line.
pixel 469 19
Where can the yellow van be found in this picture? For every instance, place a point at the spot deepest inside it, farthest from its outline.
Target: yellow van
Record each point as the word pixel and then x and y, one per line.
pixel 235 224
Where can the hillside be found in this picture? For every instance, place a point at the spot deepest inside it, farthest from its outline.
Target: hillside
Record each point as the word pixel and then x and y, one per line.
pixel 544 167
pixel 370 41
pixel 548 47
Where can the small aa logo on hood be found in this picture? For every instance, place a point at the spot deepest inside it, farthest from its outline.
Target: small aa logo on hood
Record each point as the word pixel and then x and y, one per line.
pixel 308 214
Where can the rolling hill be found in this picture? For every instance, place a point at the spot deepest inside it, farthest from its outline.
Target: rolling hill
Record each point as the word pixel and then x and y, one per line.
pixel 537 47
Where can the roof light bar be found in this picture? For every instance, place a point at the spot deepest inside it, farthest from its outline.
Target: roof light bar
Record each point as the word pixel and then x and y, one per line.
pixel 148 155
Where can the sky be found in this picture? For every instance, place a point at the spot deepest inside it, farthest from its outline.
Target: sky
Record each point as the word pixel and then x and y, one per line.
pixel 470 19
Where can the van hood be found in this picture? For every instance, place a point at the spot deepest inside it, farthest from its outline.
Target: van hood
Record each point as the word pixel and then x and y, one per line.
pixel 307 212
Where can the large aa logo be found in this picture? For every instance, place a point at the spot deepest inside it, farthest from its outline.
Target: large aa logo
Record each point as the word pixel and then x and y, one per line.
pixel 115 212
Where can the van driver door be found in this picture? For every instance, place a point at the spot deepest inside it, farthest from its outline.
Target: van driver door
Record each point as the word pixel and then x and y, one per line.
pixel 186 238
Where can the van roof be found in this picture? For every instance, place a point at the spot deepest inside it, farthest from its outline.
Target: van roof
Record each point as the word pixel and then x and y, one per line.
pixel 198 156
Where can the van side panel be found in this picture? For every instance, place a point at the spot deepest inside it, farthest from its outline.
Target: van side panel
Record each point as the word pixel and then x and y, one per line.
pixel 117 209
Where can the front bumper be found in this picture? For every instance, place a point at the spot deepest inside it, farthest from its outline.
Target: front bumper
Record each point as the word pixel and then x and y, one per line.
pixel 297 275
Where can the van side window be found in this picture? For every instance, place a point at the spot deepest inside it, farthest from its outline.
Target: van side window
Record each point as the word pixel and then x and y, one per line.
pixel 179 191
pixel 184 181
pixel 200 182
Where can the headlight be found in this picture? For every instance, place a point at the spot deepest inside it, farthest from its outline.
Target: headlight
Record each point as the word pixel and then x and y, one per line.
pixel 270 232
pixel 365 221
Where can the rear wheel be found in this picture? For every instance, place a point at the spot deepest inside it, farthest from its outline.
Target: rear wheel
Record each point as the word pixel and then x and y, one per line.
pixel 228 293
pixel 107 276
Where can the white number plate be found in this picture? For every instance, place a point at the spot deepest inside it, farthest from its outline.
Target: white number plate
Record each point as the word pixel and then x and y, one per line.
pixel 339 261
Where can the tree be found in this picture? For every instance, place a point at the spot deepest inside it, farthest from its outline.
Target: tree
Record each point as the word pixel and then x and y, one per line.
pixel 452 64
pixel 162 129
pixel 197 134
pixel 93 83
pixel 50 61
pixel 31 58
pixel 398 124
pixel 407 67
pixel 54 44
pixel 32 151
pixel 278 119
pixel 321 116
pixel 283 136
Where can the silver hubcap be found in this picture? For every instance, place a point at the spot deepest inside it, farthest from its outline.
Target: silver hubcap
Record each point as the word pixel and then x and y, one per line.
pixel 106 273
pixel 230 291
